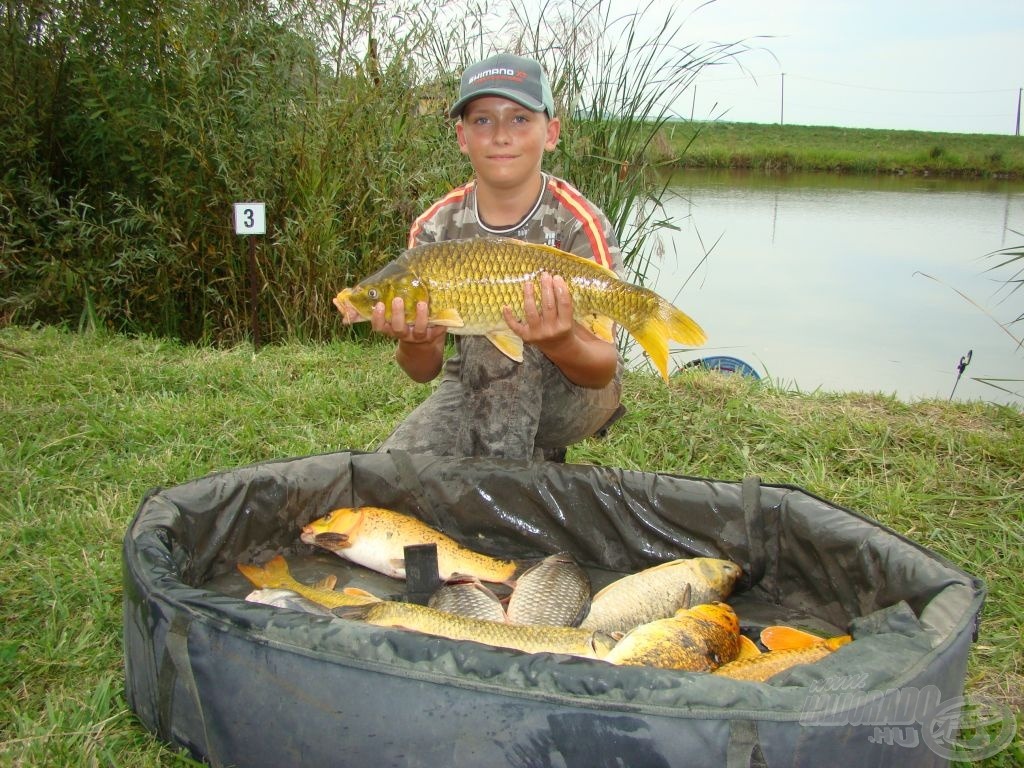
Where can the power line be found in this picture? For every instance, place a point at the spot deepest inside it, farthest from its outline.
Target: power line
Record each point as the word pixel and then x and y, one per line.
pixel 754 78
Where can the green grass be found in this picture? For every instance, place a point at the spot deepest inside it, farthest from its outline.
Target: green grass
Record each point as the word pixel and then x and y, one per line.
pixel 90 422
pixel 844 150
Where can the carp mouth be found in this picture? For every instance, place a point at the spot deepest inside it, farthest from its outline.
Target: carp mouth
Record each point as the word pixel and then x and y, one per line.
pixel 349 311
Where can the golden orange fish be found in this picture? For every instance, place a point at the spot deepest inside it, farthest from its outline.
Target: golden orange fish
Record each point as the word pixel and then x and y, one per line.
pixel 466 283
pixel 697 639
pixel 376 538
pixel 788 647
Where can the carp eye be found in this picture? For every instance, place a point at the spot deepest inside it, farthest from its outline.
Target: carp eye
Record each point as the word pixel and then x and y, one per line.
pixel 373 293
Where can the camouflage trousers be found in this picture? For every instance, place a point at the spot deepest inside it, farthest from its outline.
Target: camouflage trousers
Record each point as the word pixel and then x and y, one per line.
pixel 489 405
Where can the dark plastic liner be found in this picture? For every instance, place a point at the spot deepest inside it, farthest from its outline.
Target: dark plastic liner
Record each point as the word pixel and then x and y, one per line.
pixel 248 685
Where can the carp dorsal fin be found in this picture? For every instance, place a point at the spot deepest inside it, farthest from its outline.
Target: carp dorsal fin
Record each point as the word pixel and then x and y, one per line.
pixel 509 344
pixel 450 318
pixel 358 592
pixel 571 257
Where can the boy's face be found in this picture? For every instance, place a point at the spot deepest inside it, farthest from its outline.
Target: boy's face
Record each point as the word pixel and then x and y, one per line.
pixel 505 141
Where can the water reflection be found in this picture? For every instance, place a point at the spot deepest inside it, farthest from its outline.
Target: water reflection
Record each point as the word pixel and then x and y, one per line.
pixel 819 280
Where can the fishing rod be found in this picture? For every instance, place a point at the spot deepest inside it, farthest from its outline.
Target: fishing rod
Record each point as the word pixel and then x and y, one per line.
pixel 965 360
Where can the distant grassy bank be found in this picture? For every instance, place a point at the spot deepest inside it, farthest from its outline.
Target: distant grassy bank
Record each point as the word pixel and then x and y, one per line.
pixel 842 150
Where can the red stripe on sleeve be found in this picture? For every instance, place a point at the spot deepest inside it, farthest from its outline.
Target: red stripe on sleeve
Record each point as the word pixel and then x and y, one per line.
pixel 580 207
pixel 454 196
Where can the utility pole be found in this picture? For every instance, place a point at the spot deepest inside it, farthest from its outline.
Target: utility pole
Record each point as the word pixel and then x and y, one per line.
pixel 782 101
pixel 1019 90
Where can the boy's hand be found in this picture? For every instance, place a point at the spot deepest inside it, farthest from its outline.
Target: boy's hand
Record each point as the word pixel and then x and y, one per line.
pixel 419 331
pixel 548 321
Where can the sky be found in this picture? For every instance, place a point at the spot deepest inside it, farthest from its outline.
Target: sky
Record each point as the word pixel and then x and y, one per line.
pixel 931 65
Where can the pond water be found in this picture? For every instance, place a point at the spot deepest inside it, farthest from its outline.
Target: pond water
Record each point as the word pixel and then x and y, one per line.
pixel 819 281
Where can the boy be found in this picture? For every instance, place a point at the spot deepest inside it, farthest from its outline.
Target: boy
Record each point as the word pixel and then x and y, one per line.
pixel 569 383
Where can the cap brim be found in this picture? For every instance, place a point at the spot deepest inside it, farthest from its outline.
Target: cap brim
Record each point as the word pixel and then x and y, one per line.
pixel 516 96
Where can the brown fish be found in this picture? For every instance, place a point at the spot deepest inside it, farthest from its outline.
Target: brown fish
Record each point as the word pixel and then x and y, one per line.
pixel 376 538
pixel 788 647
pixel 697 639
pixel 554 592
pixel 467 596
pixel 658 592
pixel 529 639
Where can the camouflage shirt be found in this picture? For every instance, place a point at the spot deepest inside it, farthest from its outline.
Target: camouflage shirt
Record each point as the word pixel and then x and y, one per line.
pixel 486 404
pixel 562 217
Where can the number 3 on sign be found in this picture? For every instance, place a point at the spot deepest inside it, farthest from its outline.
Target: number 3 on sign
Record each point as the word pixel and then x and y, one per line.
pixel 250 218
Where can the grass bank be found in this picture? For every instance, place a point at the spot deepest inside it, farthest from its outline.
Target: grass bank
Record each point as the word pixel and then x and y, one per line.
pixel 842 150
pixel 90 422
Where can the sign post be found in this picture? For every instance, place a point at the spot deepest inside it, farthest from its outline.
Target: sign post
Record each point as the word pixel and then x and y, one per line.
pixel 251 220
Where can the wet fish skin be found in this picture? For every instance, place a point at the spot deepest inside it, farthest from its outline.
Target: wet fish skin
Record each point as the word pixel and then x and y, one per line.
pixel 762 668
pixel 467 282
pixel 788 647
pixel 287 599
pixel 657 592
pixel 554 592
pixel 468 597
pixel 275 574
pixel 376 538
pixel 528 639
pixel 698 639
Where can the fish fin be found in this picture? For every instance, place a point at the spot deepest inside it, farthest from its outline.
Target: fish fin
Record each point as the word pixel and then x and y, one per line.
pixel 327 582
pixel 780 638
pixel 838 642
pixel 666 323
pixel 353 612
pixel 509 344
pixel 601 326
pixel 357 592
pixel 566 255
pixel 331 540
pixel 688 596
pixel 274 573
pixel 461 578
pixel 448 317
pixel 397 563
pixel 748 648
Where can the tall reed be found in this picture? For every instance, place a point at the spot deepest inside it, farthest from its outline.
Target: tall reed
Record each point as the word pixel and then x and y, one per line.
pixel 129 129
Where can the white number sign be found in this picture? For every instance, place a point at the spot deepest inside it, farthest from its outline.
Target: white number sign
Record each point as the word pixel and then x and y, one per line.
pixel 250 218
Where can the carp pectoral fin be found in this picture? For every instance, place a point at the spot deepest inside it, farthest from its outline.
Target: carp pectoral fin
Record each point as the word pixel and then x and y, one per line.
pixel 509 344
pixel 780 638
pixel 450 318
pixel 332 540
pixel 327 582
pixel 748 648
pixel 601 326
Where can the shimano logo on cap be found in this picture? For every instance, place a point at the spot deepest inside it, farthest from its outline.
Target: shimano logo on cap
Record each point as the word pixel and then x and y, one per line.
pixel 496 72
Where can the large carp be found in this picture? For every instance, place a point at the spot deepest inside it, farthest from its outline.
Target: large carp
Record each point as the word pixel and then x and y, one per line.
pixel 521 637
pixel 376 538
pixel 466 283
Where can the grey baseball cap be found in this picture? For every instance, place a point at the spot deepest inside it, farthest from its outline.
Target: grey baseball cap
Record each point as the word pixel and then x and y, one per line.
pixel 512 77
